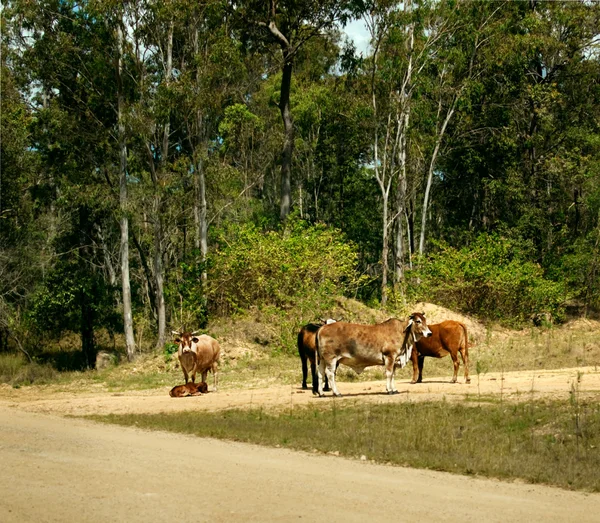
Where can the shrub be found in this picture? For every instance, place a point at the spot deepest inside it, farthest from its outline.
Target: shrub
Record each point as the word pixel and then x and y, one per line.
pixel 493 279
pixel 257 268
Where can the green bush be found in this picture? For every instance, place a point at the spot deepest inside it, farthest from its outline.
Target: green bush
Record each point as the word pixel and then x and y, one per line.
pixel 256 268
pixel 493 279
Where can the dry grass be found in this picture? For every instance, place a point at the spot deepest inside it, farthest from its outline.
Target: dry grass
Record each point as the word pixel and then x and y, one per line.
pixel 554 443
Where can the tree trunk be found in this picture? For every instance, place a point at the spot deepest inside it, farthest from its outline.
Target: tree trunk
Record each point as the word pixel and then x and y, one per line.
pixel 436 150
pixel 288 142
pixel 86 311
pixel 157 201
pixel 127 310
pixel 384 252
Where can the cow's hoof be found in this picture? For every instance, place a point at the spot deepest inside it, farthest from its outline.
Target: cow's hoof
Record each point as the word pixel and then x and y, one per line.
pixel 327 389
pixel 468 380
pixel 304 386
pixel 413 382
pixel 338 395
pixel 391 392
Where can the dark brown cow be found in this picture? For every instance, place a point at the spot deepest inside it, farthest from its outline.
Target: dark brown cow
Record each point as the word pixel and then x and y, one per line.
pixel 207 352
pixel 189 389
pixel 359 346
pixel 448 337
pixel 307 346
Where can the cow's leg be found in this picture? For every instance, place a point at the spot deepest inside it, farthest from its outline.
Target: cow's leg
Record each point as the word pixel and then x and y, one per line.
pixel 315 378
pixel 185 374
pixel 305 370
pixel 320 376
pixel 389 375
pixel 465 357
pixel 215 371
pixel 330 373
pixel 413 357
pixel 456 364
pixel 421 362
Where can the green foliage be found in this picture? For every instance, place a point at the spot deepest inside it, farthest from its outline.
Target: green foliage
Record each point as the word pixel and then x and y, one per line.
pixel 57 304
pixel 493 279
pixel 256 268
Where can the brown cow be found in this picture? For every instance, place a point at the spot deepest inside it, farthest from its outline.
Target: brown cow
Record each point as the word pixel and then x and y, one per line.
pixel 359 346
pixel 307 351
pixel 207 352
pixel 189 389
pixel 448 337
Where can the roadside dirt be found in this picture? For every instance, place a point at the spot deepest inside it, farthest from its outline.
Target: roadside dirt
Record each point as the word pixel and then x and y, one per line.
pixel 509 386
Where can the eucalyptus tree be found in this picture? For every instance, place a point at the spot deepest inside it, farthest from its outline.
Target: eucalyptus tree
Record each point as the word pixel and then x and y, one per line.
pixel 60 47
pixel 288 25
pixel 457 68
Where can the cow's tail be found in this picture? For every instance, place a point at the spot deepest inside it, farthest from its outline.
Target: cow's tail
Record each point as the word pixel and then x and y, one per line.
pixel 465 352
pixel 317 348
pixel 301 345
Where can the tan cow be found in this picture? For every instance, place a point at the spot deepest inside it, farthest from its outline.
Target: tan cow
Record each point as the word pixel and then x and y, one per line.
pixel 448 337
pixel 360 346
pixel 189 389
pixel 207 352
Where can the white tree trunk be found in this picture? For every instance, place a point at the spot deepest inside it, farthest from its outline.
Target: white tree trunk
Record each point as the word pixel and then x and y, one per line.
pixel 124 222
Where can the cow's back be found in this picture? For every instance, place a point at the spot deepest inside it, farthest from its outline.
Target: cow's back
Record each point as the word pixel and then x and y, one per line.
pixel 207 351
pixel 360 344
pixel 446 336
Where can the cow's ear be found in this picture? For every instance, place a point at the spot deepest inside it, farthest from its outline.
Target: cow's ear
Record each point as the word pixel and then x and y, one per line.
pixel 410 322
pixel 423 314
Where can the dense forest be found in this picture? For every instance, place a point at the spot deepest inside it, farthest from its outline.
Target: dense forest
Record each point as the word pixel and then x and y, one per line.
pixel 167 162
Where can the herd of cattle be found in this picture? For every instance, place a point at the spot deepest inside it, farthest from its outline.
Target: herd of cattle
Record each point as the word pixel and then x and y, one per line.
pixel 391 344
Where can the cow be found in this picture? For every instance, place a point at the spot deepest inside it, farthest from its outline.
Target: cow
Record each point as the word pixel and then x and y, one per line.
pixel 189 389
pixel 448 337
pixel 359 346
pixel 307 350
pixel 207 352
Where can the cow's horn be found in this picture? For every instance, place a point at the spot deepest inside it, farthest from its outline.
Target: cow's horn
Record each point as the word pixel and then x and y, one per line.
pixel 423 314
pixel 176 333
pixel 195 332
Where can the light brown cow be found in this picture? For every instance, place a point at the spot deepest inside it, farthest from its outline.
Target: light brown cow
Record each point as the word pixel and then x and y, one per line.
pixel 359 346
pixel 189 389
pixel 448 337
pixel 207 352
pixel 307 346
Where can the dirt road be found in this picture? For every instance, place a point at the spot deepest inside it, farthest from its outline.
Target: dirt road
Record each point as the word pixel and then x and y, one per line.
pixel 60 470
pixel 513 386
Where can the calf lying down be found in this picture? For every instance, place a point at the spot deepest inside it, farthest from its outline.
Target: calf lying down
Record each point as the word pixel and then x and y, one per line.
pixel 189 389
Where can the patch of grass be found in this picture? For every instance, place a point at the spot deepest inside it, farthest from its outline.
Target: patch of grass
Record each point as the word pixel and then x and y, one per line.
pixel 553 443
pixel 16 371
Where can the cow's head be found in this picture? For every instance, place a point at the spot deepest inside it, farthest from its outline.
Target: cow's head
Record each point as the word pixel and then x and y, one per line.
pixel 186 340
pixel 417 326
